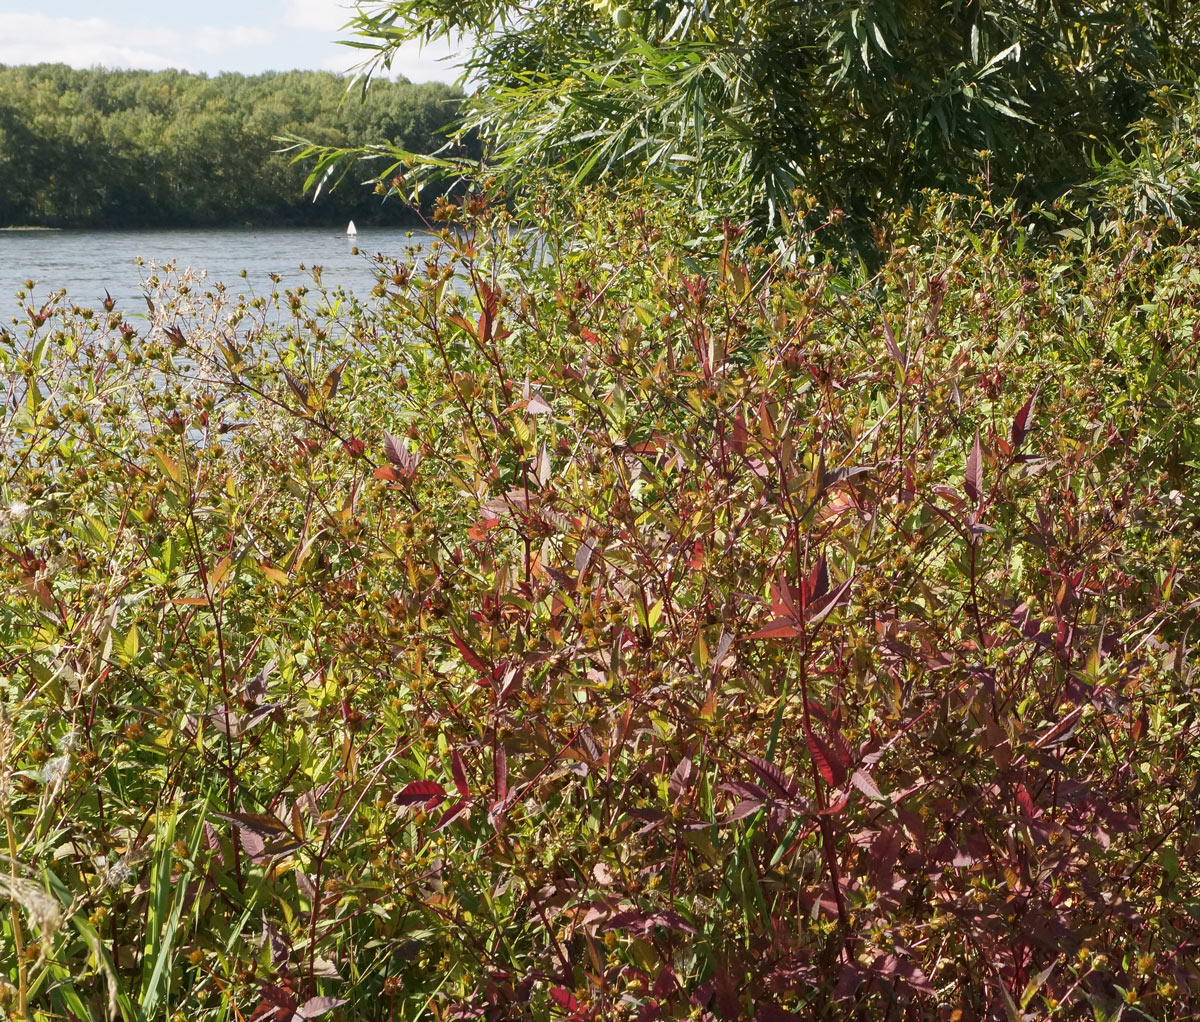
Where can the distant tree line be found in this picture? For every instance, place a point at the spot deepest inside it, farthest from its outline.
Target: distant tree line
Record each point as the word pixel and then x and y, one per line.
pixel 158 148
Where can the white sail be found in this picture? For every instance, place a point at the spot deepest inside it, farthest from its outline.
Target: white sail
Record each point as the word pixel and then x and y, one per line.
pixel 351 230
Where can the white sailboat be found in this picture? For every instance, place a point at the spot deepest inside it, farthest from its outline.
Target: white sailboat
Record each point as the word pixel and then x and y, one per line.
pixel 351 230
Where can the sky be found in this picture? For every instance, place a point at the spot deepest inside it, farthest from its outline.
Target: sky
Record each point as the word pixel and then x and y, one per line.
pixel 210 36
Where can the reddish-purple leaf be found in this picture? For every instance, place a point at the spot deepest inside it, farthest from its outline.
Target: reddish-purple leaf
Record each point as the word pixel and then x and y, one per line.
pixel 460 773
pixel 274 939
pixel 394 449
pixel 820 609
pixel 901 968
pixel 1023 421
pixel 537 405
pixel 277 1002
pixel 889 338
pixel 564 999
pixel 680 778
pixel 314 1007
pixel 862 781
pixel 727 998
pixel 828 763
pixel 472 658
pixel 644 923
pixel 785 599
pixel 262 835
pixel 816 584
pixel 775 778
pixel 973 483
pixel 780 628
pixel 427 793
pixel 404 460
pixel 746 807
pixel 1025 801
pixel 652 818
pixel 452 814
pixel 297 387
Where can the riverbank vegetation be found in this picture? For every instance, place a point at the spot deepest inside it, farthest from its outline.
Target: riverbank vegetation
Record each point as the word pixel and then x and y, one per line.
pixel 662 617
pixel 636 635
pixel 166 148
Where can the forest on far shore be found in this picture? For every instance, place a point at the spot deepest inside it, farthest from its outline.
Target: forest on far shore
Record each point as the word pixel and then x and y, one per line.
pixel 106 148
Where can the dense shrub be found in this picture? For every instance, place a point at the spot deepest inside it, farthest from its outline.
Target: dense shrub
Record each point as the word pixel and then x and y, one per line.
pixel 609 628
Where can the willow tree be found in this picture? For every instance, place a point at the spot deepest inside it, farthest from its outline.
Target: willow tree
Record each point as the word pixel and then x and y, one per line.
pixel 739 103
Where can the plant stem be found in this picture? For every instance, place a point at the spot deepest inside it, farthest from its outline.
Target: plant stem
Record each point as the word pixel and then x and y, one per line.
pixel 18 942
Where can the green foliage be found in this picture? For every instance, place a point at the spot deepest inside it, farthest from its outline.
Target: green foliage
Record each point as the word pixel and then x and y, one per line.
pixel 1157 171
pixel 605 629
pixel 168 148
pixel 736 104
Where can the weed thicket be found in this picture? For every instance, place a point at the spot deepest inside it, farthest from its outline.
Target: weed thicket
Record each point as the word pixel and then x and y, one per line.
pixel 613 628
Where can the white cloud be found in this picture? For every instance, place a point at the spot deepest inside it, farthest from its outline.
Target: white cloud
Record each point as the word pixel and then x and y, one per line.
pixel 220 40
pixel 326 16
pixel 88 42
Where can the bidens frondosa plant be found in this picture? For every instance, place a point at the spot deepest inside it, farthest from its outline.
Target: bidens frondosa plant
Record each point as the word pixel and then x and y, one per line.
pixel 602 628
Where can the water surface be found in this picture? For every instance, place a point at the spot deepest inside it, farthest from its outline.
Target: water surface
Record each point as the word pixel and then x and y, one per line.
pixel 88 263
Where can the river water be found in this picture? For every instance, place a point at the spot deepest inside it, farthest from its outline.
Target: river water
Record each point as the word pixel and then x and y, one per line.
pixel 88 263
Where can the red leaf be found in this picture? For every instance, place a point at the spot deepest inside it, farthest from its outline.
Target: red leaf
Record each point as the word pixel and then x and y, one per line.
pixel 643 923
pixel 780 628
pixel 827 761
pixel 889 339
pixel 727 998
pixel 278 1002
pixel 429 793
pixel 862 781
pixel 785 600
pixel 1023 421
pixel 452 814
pixel 821 608
pixel 394 449
pixel 681 778
pixel 1025 801
pixel 487 316
pixel 775 778
pixel 403 462
pixel 478 532
pixel 317 1006
pixel 740 436
pixel 904 970
pixel 468 654
pixel 973 483
pixel 460 773
pixel 817 583
pixel 564 998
